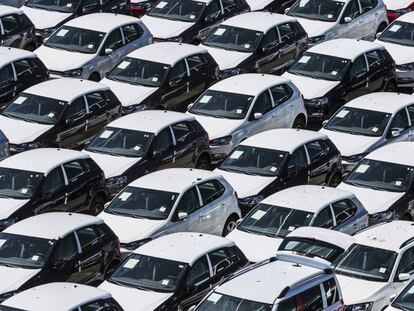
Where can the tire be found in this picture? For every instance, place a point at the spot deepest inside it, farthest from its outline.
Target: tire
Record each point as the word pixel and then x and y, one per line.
pixel 335 179
pixel 299 122
pixel 95 77
pixel 230 225
pixel 203 163
pixel 97 204
pixel 390 86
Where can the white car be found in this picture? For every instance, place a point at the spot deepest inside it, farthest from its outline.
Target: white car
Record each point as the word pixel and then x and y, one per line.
pixel 90 46
pixel 243 105
pixel 383 182
pixel 377 266
pixel 261 232
pixel 404 300
pixel 331 19
pixel 369 122
pixel 398 8
pixel 172 200
pixel 63 297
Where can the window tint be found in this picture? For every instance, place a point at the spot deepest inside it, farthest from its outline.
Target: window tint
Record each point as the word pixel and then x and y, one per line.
pixel 6 75
pixel 324 219
pixel 298 158
pixel 288 304
pixel 411 113
pixel 10 23
pixel 374 59
pixel 359 67
pixel 315 150
pixel 213 11
pixel 179 71
pixel 195 62
pixel 229 5
pixel 263 104
pixel 67 248
pixel 76 109
pixel 114 40
pixel 271 39
pixel 189 202
pixel 87 237
pixel 406 264
pixel 286 31
pixel 352 9
pixel 53 182
pixel 210 191
pixel 131 32
pixel 73 170
pixel 312 299
pixel 343 210
pixel 199 272
pixel 331 292
pixel 222 259
pixel 24 66
pixel 181 131
pixel 367 5
pixel 281 93
pixel 400 121
pixel 96 101
pixel 163 141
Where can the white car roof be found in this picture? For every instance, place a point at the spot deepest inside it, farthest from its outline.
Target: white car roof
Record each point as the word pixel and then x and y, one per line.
pixel 400 153
pixel 102 22
pixel 248 83
pixel 307 198
pixel 283 139
pixel 8 55
pixel 62 296
pixel 345 48
pixel 151 121
pixel 259 21
pixel 6 10
pixel 42 160
pixel 183 246
pixel 382 101
pixel 408 17
pixel 52 225
pixel 167 52
pixel 173 179
pixel 389 235
pixel 65 89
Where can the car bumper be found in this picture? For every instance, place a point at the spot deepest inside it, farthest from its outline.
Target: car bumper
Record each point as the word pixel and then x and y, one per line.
pixel 348 166
pixel 316 113
pixel 405 78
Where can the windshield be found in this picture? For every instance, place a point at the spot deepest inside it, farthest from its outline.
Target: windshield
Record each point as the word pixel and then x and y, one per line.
pixel 76 40
pixel 120 142
pixel 179 10
pixel 405 300
pixel 400 33
pixel 150 273
pixel 138 71
pixel 218 302
pixel 322 10
pixel 68 6
pixel 222 105
pixel 254 161
pixel 18 184
pixel 380 175
pixel 319 66
pixel 368 263
pixel 234 38
pixel 143 203
pixel 274 221
pixel 24 251
pixel 34 108
pixel 359 121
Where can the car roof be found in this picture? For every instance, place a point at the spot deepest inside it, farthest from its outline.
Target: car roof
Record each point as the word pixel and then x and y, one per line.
pixel 309 198
pixel 42 160
pixel 62 296
pixel 283 139
pixel 183 246
pixel 174 179
pixel 394 153
pixel 6 10
pixel 248 83
pixel 382 101
pixel 102 22
pixel 259 21
pixel 151 121
pixel 390 235
pixel 408 17
pixel 65 89
pixel 8 54
pixel 167 52
pixel 336 47
pixel 53 225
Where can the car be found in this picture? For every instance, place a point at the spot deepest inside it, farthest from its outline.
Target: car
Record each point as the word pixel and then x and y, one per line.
pixel 277 159
pixel 55 247
pixel 369 122
pixel 395 9
pixel 329 75
pixel 61 113
pixel 48 16
pixel 141 7
pixel 397 39
pixel 46 179
pixel 173 272
pixel 238 107
pixel 63 297
pixel 256 42
pixel 88 47
pixel 330 19
pixel 265 227
pixel 164 74
pixel 4 146
pixel 277 6
pixel 19 69
pixel 301 285
pixel 377 266
pixel 383 182
pixel 403 300
pixel 189 21
pixel 147 141
pixel 13 3
pixel 322 244
pixel 172 200
pixel 16 29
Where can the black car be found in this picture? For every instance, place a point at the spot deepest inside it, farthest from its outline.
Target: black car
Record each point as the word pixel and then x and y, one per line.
pixel 19 69
pixel 4 146
pixel 56 247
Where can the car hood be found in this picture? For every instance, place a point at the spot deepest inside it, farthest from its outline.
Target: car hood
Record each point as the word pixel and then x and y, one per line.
pixel 19 131
pixel 164 28
pixel 256 5
pixel 13 278
pixel 113 165
pixel 358 290
pixel 400 53
pixel 52 58
pixel 127 93
pixel 8 206
pixel 397 4
pixel 311 88
pixel 374 201
pixel 255 247
pixel 315 28
pixel 217 127
pixel 43 19
pixel 132 299
pixel 226 59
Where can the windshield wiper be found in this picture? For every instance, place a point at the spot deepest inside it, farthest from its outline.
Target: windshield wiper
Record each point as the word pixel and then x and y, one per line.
pixel 111 280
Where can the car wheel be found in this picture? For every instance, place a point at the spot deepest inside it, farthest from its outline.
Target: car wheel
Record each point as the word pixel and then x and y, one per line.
pixel 335 179
pixel 230 225
pixel 94 77
pixel 203 163
pixel 299 123
pixel 390 87
pixel 97 205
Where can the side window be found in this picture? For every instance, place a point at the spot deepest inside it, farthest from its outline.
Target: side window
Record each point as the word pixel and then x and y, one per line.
pixel 87 237
pixel 315 150
pixel 210 191
pixel 76 110
pixel 67 248
pixel 399 122
pixel 199 272
pixel 352 9
pixel 312 299
pixel 406 264
pixel 289 304
pixel 229 5
pixel 163 141
pixel 212 11
pixel 368 5
pixel 6 75
pixel 374 59
pixel 74 170
pixel 181 131
pixel 359 67
pixel 287 32
pixel 263 104
pixel 324 219
pixel 331 292
pixel 53 182
pixel 189 202
pixel 298 159
pixel 281 93
pixel 179 71
pixel 131 32
pixel 343 210
pixel 96 101
pixel 222 259
pixel 271 39
pixel 114 40
pixel 10 23
pixel 411 113
pixel 24 66
pixel 195 62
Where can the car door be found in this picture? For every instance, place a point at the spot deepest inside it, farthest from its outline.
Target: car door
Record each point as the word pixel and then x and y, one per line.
pixel 410 110
pixel 111 51
pixel 376 71
pixel 369 17
pixel 344 212
pixel 260 118
pixel 133 38
pixel 185 144
pixel 73 130
pixel 198 69
pixel 97 112
pixel 288 45
pixel 163 149
pixel 177 89
pixel 11 31
pixel 324 218
pixel 190 204
pixel 224 261
pixel 269 56
pixel 357 81
pixel 350 28
pixel 399 129
pixel 297 172
pixel 283 110
pixel 77 189
pixel 27 73
pixel 319 163
pixel 7 84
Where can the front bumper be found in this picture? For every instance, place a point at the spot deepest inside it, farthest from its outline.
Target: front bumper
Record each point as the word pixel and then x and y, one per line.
pixel 316 113
pixel 405 78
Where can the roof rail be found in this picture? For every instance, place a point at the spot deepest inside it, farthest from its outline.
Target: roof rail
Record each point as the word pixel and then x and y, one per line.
pixel 407 242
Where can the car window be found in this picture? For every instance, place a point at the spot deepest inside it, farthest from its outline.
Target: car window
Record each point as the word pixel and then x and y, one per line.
pixel 289 304
pixel 315 150
pixel 359 67
pixel 331 292
pixel 374 59
pixel 24 66
pixel 96 101
pixel 343 210
pixel 189 202
pixel 199 272
pixel 212 11
pixel 195 62
pixel 114 40
pixel 6 75
pixel 221 259
pixel 368 5
pixel 181 131
pixel 263 104
pixel 298 158
pixel 90 3
pixel 286 31
pixel 324 219
pixel 163 141
pixel 67 248
pixel 229 5
pixel 53 182
pixel 312 299
pixel 210 191
pixel 10 23
pixel 281 93
pixel 131 32
pixel 406 264
pixel 179 71
pixel 76 110
pixel 400 121
pixel 74 170
pixel 352 9
pixel 87 237
pixel 271 38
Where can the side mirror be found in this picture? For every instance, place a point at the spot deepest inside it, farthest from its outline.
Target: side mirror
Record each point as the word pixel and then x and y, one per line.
pixel 175 82
pixel 378 34
pixel 392 297
pixel 59 264
pixel 265 49
pixel 257 115
pixel 106 204
pixel 69 121
pixel 190 106
pixel 403 277
pixel 108 51
pixel 156 154
pixel 287 10
pixel 89 8
pixel 395 132
pixel 347 19
pixel 292 171
pixel 182 215
pixel 192 308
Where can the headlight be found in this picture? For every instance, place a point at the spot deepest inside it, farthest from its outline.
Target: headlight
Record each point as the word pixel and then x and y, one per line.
pixel 225 140
pixel 367 306
pixel 382 216
pixel 406 67
pixel 27 146
pixel 7 295
pixel 134 245
pixel 402 11
pixel 133 108
pixel 72 73
pixel 316 39
pixel 356 158
pixel 4 223
pixel 175 39
pixel 252 200
pixel 229 72
pixel 320 101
